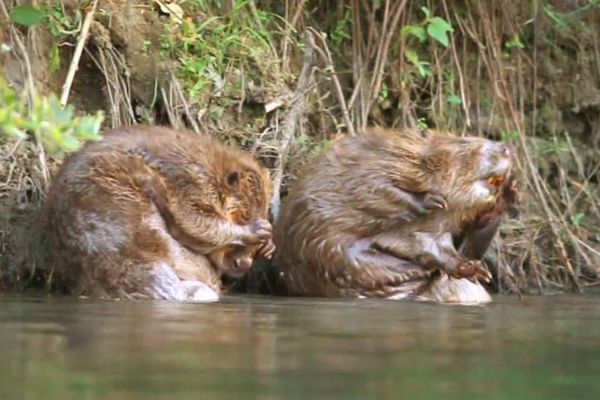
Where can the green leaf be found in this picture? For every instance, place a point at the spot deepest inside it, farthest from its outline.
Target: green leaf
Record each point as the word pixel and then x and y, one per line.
pixel 412 57
pixel 422 66
pixel 27 15
pixel 414 30
pixel 438 29
pixel 454 99
pixel 515 42
pixel 426 12
pixel 576 219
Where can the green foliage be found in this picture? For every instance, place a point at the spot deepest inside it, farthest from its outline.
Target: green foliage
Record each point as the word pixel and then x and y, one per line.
pixel 215 50
pixel 56 126
pixel 415 30
pixel 27 15
pixel 61 24
pixel 436 28
pixel 339 32
pixel 515 42
pixel 512 135
pixel 315 146
pixel 565 21
pixel 454 100
pixel 421 66
pixel 384 93
pixel 577 219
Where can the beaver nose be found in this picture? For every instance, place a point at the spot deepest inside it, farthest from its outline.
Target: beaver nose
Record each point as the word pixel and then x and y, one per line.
pixel 243 264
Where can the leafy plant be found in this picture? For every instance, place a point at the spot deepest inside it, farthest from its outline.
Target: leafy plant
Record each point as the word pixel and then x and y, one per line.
pixel 577 218
pixel 57 127
pixel 27 14
pixel 512 135
pixel 422 66
pixel 436 28
pixel 432 27
pixel 422 123
pixel 384 93
pixel 339 32
pixel 214 51
pixel 454 100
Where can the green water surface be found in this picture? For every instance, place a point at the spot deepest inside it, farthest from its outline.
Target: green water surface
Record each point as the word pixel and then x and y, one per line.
pixel 273 348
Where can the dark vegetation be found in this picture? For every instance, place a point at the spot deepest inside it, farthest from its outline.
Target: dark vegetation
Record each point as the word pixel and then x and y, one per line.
pixel 283 78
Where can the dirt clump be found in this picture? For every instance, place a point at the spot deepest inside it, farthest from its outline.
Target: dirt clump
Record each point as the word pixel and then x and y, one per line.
pixel 150 212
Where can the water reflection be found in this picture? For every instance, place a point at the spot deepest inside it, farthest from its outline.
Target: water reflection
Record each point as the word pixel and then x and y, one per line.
pixel 263 348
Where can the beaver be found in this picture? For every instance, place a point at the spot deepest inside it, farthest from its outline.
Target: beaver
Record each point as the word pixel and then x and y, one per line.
pixel 382 214
pixel 151 212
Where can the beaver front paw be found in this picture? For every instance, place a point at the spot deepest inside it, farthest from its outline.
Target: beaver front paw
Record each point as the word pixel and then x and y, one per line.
pixel 422 205
pixel 434 201
pixel 267 249
pixel 472 270
pixel 257 232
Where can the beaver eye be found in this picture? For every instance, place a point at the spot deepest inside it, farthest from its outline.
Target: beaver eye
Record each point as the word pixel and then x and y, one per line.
pixel 233 179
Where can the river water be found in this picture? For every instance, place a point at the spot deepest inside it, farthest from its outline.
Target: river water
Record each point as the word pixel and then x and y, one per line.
pixel 272 348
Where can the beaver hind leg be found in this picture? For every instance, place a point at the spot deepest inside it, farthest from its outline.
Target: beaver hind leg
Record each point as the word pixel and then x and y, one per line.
pixel 163 283
pixel 447 290
pixel 379 274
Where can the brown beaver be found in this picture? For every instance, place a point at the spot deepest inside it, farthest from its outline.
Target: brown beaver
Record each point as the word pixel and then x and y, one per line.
pixel 150 212
pixel 378 215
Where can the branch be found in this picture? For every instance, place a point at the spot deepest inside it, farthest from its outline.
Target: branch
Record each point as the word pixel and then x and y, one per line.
pixel 291 120
pixel 77 55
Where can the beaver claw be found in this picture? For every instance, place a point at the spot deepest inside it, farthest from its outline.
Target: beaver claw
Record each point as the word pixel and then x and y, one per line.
pixel 472 270
pixel 434 200
pixel 267 249
pixel 257 232
pixel 421 205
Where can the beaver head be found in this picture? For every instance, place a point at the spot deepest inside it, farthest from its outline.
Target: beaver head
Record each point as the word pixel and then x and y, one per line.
pixel 234 261
pixel 469 171
pixel 247 191
pixel 231 184
pixel 208 177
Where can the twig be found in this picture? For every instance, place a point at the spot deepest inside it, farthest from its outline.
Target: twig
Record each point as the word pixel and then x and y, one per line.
pixel 382 55
pixel 325 54
pixel 186 108
pixel 291 120
pixel 77 55
pixel 288 31
pixel 15 34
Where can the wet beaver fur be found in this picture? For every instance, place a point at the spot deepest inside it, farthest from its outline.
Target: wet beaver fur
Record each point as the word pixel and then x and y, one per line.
pixel 394 214
pixel 150 212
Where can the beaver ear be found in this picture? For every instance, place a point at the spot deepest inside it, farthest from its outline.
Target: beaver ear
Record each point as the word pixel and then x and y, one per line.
pixel 434 162
pixel 233 178
pixel 427 162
